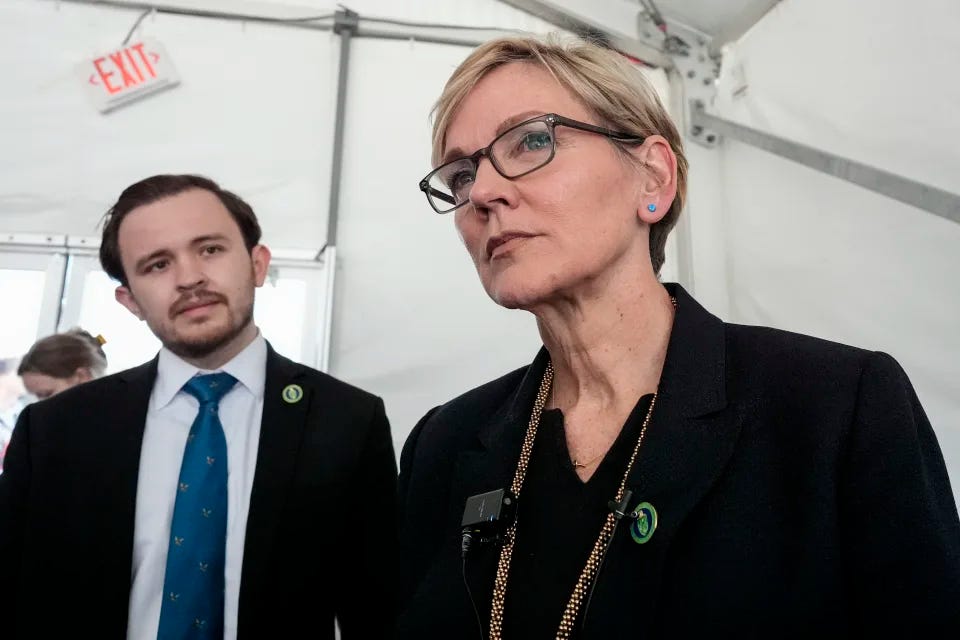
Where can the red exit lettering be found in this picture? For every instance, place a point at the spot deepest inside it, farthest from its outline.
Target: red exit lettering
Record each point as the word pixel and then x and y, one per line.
pixel 129 67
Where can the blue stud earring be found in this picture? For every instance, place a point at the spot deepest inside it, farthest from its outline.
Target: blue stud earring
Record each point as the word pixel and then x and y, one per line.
pixel 651 207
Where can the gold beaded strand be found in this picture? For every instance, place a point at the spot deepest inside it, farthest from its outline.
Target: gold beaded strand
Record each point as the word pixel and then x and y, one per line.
pixel 569 619
pixel 506 553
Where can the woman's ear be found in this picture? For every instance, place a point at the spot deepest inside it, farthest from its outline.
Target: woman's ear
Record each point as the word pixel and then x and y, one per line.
pixel 658 178
pixel 82 374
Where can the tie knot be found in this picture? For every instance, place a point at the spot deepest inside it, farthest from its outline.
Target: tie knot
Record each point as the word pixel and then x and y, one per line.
pixel 208 389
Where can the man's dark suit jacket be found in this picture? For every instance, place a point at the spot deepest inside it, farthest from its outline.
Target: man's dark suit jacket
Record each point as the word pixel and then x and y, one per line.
pixel 318 541
pixel 799 488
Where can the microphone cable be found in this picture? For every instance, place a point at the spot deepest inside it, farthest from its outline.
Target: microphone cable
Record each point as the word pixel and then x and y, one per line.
pixel 619 512
pixel 596 577
pixel 465 541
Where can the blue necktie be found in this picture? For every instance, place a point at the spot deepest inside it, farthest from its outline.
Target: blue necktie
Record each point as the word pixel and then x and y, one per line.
pixel 193 586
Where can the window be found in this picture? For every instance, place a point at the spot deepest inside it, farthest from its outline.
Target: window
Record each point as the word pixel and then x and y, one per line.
pixel 30 284
pixel 290 310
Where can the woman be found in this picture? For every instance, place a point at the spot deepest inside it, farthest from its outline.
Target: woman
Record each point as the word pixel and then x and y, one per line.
pixel 53 364
pixel 60 361
pixel 671 473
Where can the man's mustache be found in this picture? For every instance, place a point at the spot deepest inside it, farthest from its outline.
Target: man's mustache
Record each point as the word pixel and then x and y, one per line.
pixel 195 299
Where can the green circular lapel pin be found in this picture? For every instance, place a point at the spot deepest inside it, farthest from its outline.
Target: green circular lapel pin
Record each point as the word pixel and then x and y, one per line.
pixel 644 523
pixel 292 393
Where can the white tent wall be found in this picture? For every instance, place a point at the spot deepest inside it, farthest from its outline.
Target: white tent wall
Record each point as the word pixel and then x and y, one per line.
pixel 253 111
pixel 703 227
pixel 870 81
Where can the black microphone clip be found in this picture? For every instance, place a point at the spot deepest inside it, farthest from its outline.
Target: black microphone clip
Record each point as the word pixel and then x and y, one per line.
pixel 619 509
pixel 486 517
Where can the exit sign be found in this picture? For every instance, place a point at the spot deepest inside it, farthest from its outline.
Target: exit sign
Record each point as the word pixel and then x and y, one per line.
pixel 137 70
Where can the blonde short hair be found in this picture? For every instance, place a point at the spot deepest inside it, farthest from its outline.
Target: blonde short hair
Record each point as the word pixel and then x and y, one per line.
pixel 605 82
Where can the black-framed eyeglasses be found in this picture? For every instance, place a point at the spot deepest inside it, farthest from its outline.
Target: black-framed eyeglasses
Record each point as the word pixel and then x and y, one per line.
pixel 519 150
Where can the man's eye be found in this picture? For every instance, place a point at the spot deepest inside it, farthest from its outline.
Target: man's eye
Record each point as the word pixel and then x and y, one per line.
pixel 159 265
pixel 210 250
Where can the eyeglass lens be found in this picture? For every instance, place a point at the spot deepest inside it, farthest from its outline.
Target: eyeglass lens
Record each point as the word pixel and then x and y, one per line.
pixel 517 151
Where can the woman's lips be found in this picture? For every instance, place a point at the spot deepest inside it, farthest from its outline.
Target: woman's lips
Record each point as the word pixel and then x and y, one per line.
pixel 504 242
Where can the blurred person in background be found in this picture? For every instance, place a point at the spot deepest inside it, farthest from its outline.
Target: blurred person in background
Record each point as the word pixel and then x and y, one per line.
pixel 61 361
pixel 12 400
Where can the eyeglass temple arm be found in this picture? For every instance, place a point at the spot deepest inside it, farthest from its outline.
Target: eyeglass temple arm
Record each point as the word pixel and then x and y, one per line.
pixel 574 124
pixel 439 195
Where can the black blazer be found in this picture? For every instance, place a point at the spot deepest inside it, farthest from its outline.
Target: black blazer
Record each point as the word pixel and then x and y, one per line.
pixel 312 551
pixel 799 488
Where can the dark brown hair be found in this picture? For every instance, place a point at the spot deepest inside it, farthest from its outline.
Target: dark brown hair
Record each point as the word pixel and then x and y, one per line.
pixel 60 355
pixel 156 188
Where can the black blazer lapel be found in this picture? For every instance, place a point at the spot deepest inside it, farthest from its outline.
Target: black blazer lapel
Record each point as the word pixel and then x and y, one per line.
pixel 492 462
pixel 690 437
pixel 688 443
pixel 491 465
pixel 281 434
pixel 122 435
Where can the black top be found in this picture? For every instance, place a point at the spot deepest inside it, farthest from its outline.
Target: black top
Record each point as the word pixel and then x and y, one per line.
pixel 559 518
pixel 799 489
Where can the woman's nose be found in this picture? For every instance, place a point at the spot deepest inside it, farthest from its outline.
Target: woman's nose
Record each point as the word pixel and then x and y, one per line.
pixel 490 188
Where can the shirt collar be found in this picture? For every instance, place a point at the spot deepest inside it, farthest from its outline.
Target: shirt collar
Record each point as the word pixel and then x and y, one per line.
pixel 249 367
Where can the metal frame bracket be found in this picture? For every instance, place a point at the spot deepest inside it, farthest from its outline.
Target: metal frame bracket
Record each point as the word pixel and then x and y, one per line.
pixel 917 194
pixel 346 20
pixel 694 62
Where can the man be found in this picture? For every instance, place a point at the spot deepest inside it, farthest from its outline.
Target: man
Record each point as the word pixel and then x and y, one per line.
pixel 218 491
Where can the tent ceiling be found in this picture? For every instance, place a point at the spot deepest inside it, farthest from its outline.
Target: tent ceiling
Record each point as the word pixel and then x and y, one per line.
pixel 621 20
pixel 721 21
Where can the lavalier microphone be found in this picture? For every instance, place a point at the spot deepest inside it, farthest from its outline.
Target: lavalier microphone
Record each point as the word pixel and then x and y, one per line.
pixel 486 517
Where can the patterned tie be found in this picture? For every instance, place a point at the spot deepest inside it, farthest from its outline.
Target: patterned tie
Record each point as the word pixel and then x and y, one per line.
pixel 194 581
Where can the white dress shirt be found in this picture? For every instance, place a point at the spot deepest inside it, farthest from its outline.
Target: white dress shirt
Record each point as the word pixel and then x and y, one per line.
pixel 169 416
